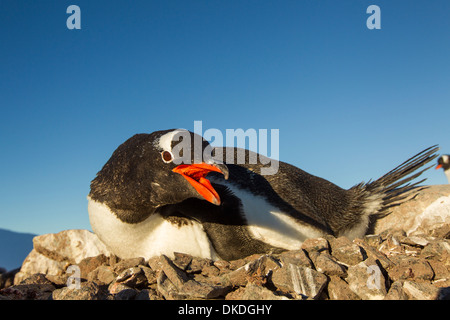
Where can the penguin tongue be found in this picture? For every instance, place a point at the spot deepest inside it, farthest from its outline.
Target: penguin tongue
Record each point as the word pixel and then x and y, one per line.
pixel 195 174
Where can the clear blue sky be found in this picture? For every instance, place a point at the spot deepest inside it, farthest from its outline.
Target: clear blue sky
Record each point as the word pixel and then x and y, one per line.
pixel 350 103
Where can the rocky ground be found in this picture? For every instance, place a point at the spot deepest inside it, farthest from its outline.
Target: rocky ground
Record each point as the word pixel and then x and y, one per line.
pixel 407 257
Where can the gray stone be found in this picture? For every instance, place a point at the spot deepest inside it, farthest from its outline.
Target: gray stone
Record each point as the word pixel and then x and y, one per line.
pixel 53 253
pixel 176 284
pixel 372 252
pixel 338 289
pixel 133 277
pixel 87 291
pixel 299 280
pixel 315 244
pixel 7 278
pixel 89 264
pixel 410 268
pixel 148 294
pixel 327 264
pixel 438 249
pixel 346 251
pixel 182 260
pixel 127 264
pixel 102 275
pixel 424 214
pixel 297 257
pixel 421 291
pixel 254 292
pixel 396 292
pixel 28 292
pixel 126 294
pixel 366 279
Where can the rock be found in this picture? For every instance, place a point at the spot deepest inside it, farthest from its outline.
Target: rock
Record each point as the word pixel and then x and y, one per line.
pixel 127 264
pixel 346 251
pixel 148 294
pixel 35 287
pixel 299 280
pixel 338 289
pixel 415 241
pixel 421 291
pixel 127 294
pixel 133 277
pixel 197 264
pixel 255 271
pixel 53 253
pixel 102 275
pixel 7 278
pixel 325 263
pixel 69 245
pixel 174 283
pixel 37 278
pixel 440 269
pixel 366 279
pixel 371 252
pixel 411 268
pixel 392 246
pixel 254 292
pixel 182 260
pixel 38 263
pixel 116 287
pixel 87 291
pixel 28 292
pixel 315 244
pixel 373 240
pixel 210 271
pixel 223 266
pixel 396 292
pixel 167 289
pixel 439 249
pixel 297 257
pixel 91 263
pixel 427 213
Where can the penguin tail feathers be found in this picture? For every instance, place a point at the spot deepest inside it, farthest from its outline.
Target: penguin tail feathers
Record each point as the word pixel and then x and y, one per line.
pixel 379 196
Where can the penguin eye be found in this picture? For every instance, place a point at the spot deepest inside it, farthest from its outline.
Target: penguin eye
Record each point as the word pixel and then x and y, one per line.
pixel 167 156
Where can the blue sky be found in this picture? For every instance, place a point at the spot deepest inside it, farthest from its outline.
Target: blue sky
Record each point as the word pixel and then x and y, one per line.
pixel 350 103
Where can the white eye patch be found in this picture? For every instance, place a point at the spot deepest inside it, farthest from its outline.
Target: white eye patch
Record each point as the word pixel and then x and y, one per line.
pixel 165 141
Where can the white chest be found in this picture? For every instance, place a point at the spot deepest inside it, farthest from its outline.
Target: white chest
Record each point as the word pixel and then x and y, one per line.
pixel 151 237
pixel 447 173
pixel 271 225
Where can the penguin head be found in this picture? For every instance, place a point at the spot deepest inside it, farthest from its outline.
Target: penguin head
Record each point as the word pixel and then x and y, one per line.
pixel 149 171
pixel 444 162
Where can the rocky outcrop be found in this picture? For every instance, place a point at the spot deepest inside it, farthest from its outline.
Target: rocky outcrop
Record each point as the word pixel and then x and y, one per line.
pixel 407 258
pixel 428 213
pixel 53 253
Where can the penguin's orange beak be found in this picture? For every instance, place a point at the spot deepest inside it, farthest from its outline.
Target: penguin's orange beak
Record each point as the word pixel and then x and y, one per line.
pixel 438 166
pixel 195 174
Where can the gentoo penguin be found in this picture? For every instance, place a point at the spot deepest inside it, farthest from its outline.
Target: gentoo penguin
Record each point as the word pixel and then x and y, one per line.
pixel 146 202
pixel 444 163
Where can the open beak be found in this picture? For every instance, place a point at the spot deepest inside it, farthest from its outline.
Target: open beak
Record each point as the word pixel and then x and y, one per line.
pixel 438 166
pixel 195 174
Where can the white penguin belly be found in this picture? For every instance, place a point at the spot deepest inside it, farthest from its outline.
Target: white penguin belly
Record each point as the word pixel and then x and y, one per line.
pixel 151 237
pixel 269 224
